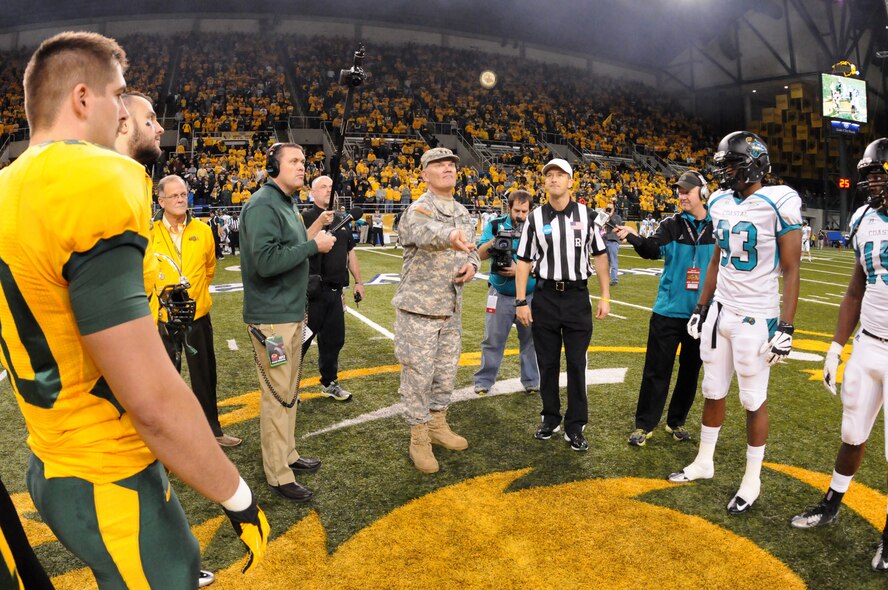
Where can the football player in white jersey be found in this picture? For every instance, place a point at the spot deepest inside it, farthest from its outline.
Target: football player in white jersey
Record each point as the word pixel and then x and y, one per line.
pixel 757 237
pixel 806 240
pixel 865 383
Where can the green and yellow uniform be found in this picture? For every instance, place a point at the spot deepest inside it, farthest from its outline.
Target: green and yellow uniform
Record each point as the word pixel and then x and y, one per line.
pixel 74 227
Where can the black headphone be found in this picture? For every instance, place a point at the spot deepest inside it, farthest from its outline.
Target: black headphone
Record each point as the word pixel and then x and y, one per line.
pixel 272 164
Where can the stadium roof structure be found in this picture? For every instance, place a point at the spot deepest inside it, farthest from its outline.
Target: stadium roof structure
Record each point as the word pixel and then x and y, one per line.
pixel 691 45
pixel 643 33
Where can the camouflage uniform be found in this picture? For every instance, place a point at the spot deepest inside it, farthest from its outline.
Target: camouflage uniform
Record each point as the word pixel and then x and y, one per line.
pixel 428 304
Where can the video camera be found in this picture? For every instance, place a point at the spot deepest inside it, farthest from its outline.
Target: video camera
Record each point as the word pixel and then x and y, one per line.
pixel 354 76
pixel 501 251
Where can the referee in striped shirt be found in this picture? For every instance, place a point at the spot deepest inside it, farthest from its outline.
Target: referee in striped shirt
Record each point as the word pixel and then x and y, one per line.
pixel 556 245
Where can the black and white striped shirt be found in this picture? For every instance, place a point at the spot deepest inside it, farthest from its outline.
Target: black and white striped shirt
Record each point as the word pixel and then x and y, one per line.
pixel 559 243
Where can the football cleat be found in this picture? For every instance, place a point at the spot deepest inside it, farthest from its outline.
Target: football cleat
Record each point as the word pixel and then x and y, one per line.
pixel 738 505
pixel 692 472
pixel 821 515
pixel 880 559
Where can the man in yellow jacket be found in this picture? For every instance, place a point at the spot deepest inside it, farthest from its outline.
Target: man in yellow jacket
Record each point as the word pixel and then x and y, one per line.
pixel 187 253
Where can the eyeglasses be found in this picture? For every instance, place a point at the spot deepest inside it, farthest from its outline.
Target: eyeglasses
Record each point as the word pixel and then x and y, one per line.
pixel 176 197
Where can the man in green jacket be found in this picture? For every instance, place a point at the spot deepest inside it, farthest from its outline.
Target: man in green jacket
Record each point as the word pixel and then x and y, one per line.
pixel 275 248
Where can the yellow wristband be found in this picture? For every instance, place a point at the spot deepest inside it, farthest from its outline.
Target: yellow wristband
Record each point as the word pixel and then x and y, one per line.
pixel 605 300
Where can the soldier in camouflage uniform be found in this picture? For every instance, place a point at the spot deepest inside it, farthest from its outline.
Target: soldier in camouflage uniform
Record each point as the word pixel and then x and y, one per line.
pixel 439 258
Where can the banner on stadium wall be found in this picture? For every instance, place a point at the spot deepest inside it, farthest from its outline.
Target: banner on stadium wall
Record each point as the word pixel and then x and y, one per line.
pixel 236 136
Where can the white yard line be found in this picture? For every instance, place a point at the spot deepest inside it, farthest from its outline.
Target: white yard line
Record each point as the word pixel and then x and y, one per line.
pixel 820 302
pixel 623 303
pixel 232 344
pixel 841 274
pixel 823 283
pixel 370 323
pixel 506 387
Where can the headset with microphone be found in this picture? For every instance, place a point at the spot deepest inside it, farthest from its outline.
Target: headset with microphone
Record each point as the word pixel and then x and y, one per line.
pixel 272 164
pixel 704 186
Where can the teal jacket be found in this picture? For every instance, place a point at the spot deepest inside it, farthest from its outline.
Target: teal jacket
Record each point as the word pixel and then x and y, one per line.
pixel 680 250
pixel 503 285
pixel 274 258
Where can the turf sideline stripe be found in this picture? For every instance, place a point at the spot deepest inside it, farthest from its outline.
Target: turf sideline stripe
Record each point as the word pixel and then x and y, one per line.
pixel 823 283
pixel 820 302
pixel 623 303
pixel 370 323
pixel 506 387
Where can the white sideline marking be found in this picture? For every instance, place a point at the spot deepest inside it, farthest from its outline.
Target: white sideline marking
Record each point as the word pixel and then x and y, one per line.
pixel 827 272
pixel 619 317
pixel 232 344
pixel 507 387
pixel 820 302
pixel 823 283
pixel 836 294
pixel 375 251
pixel 370 323
pixel 3 375
pixel 804 356
pixel 624 303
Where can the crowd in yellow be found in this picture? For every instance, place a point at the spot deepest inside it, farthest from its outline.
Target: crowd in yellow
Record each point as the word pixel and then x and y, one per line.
pixel 232 83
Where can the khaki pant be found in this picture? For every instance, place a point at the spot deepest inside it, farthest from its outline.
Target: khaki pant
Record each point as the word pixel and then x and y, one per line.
pixel 277 424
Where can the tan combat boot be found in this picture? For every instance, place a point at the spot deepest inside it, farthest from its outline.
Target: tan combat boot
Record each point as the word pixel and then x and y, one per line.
pixel 421 449
pixel 440 433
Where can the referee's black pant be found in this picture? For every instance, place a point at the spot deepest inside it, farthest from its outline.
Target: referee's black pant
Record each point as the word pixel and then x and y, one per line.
pixel 664 336
pixel 326 320
pixel 201 366
pixel 562 317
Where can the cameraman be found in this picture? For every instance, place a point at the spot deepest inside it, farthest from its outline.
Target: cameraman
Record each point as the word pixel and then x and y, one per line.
pixel 501 297
pixel 328 275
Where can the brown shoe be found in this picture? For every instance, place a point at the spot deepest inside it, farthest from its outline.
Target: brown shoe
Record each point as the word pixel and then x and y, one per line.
pixel 440 433
pixel 226 440
pixel 421 449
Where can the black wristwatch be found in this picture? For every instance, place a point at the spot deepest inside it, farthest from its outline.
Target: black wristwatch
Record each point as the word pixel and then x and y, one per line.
pixel 520 302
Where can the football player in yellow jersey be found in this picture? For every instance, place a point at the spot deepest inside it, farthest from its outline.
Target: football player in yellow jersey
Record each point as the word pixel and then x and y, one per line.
pixel 102 402
pixel 139 138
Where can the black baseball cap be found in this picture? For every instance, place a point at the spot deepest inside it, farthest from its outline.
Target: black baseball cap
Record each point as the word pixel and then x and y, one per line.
pixel 689 180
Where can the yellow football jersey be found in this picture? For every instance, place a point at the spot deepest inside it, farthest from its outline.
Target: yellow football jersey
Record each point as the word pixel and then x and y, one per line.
pixel 58 201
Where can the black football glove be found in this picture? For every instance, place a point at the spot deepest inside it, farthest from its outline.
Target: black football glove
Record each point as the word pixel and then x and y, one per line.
pixel 252 528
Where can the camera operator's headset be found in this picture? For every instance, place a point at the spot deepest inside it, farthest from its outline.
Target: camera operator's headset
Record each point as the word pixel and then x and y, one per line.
pixel 272 164
pixel 704 188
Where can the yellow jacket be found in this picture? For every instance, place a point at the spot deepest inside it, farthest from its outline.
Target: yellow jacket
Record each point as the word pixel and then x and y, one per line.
pixel 197 260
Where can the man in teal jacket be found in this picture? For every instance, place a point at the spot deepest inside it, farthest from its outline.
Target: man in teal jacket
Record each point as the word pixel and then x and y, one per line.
pixel 275 248
pixel 685 242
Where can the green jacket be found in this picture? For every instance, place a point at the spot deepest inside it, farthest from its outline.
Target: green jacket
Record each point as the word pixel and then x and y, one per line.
pixel 274 258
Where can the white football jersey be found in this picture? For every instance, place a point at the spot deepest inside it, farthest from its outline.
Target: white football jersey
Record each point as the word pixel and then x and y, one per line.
pixel 871 247
pixel 806 233
pixel 746 232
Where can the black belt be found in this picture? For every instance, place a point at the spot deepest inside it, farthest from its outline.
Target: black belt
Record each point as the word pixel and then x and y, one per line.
pixel 882 340
pixel 561 285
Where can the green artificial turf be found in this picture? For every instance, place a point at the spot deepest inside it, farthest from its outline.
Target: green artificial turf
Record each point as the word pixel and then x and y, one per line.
pixel 366 472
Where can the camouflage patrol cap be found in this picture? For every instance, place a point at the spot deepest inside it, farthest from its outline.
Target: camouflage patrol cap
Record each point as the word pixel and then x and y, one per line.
pixel 437 154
